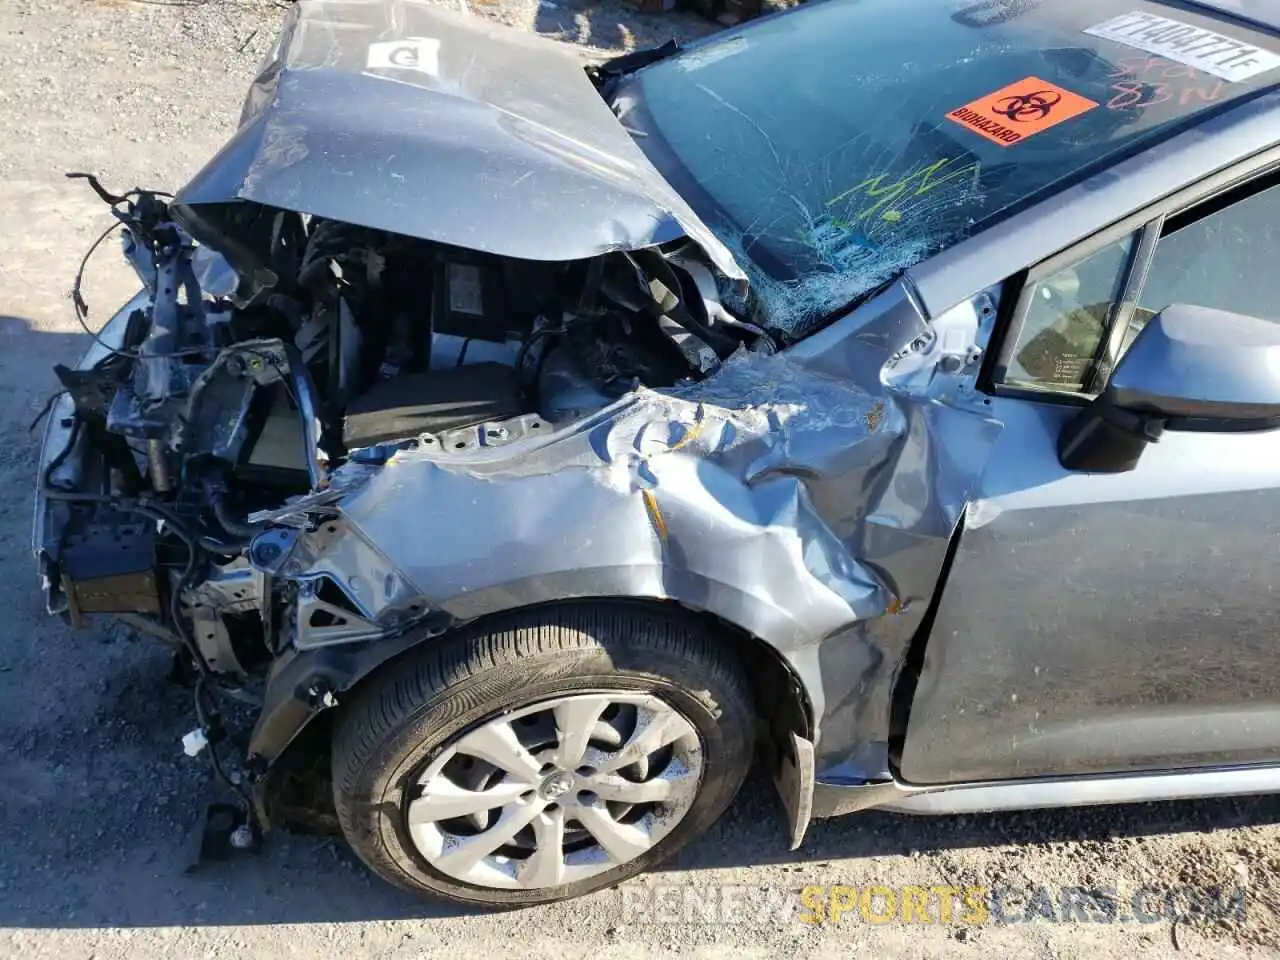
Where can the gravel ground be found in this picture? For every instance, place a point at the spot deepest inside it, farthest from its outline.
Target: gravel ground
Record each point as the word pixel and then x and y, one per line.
pixel 97 802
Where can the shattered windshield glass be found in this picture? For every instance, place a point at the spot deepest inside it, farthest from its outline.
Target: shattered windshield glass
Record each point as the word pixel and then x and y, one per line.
pixel 835 146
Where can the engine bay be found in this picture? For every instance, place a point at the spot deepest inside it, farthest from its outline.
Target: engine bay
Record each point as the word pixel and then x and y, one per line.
pixel 276 347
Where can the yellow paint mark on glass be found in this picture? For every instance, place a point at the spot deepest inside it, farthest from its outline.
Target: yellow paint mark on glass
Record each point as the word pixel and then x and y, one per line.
pixel 886 192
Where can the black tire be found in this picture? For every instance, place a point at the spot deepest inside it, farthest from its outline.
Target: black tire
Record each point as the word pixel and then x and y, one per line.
pixel 404 716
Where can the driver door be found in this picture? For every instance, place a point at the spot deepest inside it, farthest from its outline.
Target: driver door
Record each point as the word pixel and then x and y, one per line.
pixel 1113 623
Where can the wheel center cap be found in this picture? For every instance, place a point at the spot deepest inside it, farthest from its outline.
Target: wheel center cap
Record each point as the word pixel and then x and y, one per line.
pixel 555 786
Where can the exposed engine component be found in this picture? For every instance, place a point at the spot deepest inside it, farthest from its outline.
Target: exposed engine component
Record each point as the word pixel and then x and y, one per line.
pixel 430 402
pixel 334 342
pixel 270 357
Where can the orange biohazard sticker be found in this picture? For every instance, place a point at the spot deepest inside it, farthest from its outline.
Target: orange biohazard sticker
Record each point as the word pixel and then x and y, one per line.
pixel 1020 110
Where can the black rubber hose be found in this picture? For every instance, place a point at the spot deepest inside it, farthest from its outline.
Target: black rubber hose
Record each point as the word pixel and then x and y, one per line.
pixel 46 479
pixel 230 522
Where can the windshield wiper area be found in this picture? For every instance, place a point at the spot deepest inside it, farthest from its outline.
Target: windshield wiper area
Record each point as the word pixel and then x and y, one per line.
pixel 606 75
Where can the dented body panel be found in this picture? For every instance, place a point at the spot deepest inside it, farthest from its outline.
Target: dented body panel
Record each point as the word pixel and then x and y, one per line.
pixel 1155 655
pixel 400 116
pixel 781 495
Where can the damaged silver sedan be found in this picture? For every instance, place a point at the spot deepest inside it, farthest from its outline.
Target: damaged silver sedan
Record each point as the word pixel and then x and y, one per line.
pixel 889 398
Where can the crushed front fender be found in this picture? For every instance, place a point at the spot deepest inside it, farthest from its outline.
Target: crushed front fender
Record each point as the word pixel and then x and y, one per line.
pixel 780 494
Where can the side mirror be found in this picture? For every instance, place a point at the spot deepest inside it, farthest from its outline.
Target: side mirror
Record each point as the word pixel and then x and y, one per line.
pixel 1190 368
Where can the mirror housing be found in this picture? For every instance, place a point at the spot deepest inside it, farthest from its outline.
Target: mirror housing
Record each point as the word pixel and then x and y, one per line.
pixel 1190 368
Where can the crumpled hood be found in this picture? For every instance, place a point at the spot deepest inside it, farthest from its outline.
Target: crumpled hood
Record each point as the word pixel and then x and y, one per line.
pixel 400 116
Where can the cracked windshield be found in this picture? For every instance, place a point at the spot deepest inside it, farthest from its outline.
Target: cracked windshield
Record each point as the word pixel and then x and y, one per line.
pixel 830 167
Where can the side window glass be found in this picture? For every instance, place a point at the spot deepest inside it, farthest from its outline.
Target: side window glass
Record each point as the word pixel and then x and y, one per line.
pixel 1068 315
pixel 1228 260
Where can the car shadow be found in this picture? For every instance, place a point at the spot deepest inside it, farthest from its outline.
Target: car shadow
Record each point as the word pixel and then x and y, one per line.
pixel 20 340
pixel 26 346
pixel 27 356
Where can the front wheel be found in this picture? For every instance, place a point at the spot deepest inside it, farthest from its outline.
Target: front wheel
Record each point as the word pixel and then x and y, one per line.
pixel 542 757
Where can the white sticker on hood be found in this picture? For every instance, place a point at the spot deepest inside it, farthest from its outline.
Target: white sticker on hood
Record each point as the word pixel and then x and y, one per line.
pixel 411 53
pixel 1182 42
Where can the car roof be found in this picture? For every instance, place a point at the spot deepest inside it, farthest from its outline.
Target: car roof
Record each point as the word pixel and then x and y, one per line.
pixel 1262 13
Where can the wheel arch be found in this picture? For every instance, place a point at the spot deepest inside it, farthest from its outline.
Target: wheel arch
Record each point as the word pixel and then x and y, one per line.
pixel 306 689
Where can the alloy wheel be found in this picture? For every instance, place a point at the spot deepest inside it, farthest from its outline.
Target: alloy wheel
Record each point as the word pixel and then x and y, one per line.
pixel 556 792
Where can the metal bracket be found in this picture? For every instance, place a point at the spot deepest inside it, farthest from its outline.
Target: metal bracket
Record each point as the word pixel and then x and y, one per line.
pixel 343 624
pixel 495 434
pixel 234 588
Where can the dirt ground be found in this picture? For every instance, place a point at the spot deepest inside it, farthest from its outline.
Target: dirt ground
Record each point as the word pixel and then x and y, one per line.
pixel 97 801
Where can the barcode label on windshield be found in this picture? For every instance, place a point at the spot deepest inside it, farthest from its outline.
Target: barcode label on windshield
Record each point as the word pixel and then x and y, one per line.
pixel 1231 60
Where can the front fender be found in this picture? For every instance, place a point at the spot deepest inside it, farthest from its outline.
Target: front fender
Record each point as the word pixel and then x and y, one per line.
pixel 309 679
pixel 779 496
pixel 653 498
